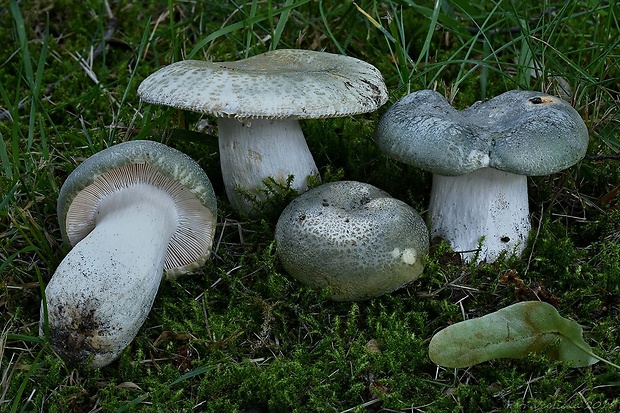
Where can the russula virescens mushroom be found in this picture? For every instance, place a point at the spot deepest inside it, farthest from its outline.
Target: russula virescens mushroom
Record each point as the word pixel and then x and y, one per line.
pixel 353 239
pixel 131 212
pixel 480 158
pixel 258 101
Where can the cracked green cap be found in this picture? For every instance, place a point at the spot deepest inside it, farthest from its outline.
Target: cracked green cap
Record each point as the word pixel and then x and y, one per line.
pixel 521 132
pixel 353 239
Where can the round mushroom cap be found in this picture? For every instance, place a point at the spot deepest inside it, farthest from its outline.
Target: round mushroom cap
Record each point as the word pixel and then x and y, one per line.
pixel 144 162
pixel 521 132
pixel 352 239
pixel 278 84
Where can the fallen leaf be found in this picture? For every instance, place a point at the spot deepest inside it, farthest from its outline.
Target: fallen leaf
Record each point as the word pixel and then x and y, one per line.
pixel 512 332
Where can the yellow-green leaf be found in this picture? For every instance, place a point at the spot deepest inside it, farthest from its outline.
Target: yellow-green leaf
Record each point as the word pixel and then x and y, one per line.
pixel 512 332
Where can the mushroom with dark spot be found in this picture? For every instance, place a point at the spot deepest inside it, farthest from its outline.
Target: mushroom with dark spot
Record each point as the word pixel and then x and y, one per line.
pixel 480 158
pixel 131 212
pixel 362 244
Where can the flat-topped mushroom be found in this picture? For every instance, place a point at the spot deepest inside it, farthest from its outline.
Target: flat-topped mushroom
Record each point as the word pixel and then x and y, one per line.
pixel 480 158
pixel 353 239
pixel 258 102
pixel 132 212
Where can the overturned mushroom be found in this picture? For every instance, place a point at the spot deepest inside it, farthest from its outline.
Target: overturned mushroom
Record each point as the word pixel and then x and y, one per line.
pixel 258 102
pixel 480 158
pixel 352 239
pixel 131 212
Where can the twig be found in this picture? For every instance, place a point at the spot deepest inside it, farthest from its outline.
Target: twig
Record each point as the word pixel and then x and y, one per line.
pixel 492 32
pixel 107 36
pixel 595 158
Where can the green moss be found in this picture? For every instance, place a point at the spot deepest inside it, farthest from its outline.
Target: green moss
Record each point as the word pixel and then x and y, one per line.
pixel 241 333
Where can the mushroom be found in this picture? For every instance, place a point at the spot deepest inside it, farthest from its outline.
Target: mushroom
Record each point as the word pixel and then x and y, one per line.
pixel 480 158
pixel 131 212
pixel 353 239
pixel 258 101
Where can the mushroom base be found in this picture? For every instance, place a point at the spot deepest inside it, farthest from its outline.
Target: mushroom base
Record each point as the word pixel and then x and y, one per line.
pixel 482 214
pixel 258 149
pixel 103 290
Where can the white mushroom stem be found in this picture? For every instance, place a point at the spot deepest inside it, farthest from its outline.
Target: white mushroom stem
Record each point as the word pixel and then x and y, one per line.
pixel 103 290
pixel 253 151
pixel 486 203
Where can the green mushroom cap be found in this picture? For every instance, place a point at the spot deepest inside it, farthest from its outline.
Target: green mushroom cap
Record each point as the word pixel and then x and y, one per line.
pixel 521 132
pixel 353 239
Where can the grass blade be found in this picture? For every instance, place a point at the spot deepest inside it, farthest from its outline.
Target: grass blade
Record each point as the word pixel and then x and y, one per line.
pixel 240 25
pixel 11 257
pixel 6 165
pixel 20 27
pixel 24 337
pixel 277 33
pixel 329 31
pixel 18 397
pixel 197 371
pixel 424 53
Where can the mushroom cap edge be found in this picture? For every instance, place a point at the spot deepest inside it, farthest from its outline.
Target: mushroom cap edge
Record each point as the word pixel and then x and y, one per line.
pixel 168 161
pixel 506 133
pixel 292 83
